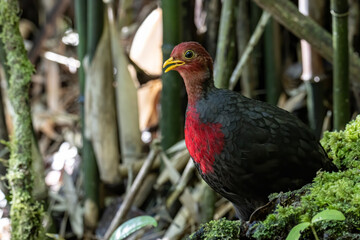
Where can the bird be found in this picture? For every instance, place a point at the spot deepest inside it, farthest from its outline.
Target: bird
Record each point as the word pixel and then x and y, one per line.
pixel 243 148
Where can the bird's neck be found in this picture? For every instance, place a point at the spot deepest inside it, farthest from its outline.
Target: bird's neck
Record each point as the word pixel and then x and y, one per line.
pixel 197 85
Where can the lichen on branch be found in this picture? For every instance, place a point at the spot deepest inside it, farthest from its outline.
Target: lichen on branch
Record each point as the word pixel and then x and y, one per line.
pixel 26 214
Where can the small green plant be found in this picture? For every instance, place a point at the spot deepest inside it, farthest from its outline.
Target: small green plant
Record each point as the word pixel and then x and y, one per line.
pixel 326 215
pixel 132 226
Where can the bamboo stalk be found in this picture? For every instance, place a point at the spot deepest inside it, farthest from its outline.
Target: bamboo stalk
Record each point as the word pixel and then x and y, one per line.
pixel 213 12
pixel 341 89
pixel 252 42
pixel 223 44
pixel 171 121
pixel 87 46
pixel 273 62
pixel 243 36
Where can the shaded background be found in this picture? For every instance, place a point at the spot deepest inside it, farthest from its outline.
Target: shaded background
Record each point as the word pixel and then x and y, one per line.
pixel 100 103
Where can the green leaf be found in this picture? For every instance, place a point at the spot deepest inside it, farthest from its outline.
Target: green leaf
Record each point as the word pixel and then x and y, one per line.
pixel 328 214
pixel 295 232
pixel 132 226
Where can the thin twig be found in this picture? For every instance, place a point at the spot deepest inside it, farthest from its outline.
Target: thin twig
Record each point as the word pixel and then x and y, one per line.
pixel 185 177
pixel 173 173
pixel 249 48
pixel 129 198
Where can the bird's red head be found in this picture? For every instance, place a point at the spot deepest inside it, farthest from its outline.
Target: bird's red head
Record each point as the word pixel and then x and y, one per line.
pixel 189 57
pixel 194 64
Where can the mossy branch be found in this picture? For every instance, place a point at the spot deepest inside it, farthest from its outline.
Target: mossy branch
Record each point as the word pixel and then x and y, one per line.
pixel 26 214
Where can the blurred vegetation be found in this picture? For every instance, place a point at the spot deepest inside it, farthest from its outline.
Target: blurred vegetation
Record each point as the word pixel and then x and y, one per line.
pixel 116 56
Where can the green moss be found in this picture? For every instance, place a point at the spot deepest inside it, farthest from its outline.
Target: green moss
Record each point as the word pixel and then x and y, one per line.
pixel 343 146
pixel 26 213
pixel 218 229
pixel 337 190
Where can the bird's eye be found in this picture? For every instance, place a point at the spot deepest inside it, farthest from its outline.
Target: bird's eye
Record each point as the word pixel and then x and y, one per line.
pixel 189 54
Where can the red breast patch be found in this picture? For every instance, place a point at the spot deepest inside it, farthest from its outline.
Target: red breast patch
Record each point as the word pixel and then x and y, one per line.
pixel 203 140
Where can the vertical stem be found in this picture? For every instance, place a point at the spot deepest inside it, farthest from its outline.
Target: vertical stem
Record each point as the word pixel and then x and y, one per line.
pixel 89 34
pixel 223 44
pixel 314 232
pixel 316 110
pixel 80 23
pixel 243 36
pixel 272 62
pixel 94 24
pixel 26 213
pixel 339 11
pixel 213 12
pixel 256 56
pixel 312 69
pixel 171 123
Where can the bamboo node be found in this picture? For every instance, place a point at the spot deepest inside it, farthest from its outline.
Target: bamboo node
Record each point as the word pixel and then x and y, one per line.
pixel 339 15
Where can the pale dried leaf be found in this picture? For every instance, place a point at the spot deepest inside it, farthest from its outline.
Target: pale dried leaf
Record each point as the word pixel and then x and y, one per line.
pixel 100 113
pixel 74 207
pixel 127 102
pixel 149 95
pixel 146 47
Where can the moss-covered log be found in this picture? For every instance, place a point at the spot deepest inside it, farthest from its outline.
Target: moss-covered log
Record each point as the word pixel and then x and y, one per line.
pixel 26 213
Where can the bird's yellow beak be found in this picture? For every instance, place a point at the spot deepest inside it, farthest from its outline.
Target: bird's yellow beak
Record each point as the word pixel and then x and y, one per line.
pixel 176 63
